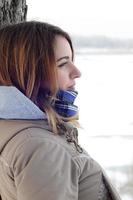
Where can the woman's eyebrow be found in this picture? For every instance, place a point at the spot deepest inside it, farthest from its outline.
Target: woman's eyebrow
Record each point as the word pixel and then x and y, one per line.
pixel 64 57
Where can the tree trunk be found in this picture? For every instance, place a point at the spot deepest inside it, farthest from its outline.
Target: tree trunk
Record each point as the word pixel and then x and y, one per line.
pixel 12 11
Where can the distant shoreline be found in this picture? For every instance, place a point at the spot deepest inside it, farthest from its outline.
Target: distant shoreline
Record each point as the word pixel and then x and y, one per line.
pixel 111 136
pixel 102 51
pixel 101 44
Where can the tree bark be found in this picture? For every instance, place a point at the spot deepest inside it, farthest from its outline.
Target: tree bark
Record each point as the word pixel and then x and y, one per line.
pixel 12 11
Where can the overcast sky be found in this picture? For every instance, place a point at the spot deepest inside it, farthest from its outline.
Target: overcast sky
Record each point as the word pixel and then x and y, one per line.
pixel 112 18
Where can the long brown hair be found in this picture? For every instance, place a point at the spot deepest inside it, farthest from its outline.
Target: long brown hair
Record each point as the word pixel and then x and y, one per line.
pixel 27 62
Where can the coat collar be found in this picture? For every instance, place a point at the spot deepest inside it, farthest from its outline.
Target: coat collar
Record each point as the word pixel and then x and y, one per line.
pixel 15 105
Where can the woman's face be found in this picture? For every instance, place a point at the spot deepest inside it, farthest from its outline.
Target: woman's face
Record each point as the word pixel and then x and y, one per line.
pixel 67 72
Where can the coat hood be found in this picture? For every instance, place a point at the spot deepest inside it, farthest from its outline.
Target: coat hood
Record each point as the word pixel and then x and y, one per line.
pixel 17 112
pixel 15 105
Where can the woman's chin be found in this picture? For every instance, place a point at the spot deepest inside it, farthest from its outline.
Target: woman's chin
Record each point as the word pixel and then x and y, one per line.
pixel 71 89
pixel 68 88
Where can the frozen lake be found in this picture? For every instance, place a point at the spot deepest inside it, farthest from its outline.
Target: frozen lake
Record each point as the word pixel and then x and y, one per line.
pixel 106 93
pixel 106 114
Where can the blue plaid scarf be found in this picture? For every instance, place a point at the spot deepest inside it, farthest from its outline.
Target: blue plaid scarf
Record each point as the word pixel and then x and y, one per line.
pixel 64 104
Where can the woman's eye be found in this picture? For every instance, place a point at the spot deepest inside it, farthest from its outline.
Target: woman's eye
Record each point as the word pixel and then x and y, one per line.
pixel 62 64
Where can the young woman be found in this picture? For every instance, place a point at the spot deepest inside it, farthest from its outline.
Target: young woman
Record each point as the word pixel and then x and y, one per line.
pixel 40 157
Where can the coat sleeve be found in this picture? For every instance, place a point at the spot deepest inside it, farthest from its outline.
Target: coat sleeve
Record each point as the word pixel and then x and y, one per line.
pixel 43 169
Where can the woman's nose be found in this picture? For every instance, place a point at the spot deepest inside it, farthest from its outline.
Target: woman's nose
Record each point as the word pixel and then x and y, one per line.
pixel 76 73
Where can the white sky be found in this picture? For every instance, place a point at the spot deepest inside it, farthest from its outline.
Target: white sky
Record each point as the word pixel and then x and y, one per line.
pixel 112 18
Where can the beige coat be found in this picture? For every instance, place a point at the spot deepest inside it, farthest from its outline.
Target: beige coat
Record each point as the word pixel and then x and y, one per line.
pixel 35 164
